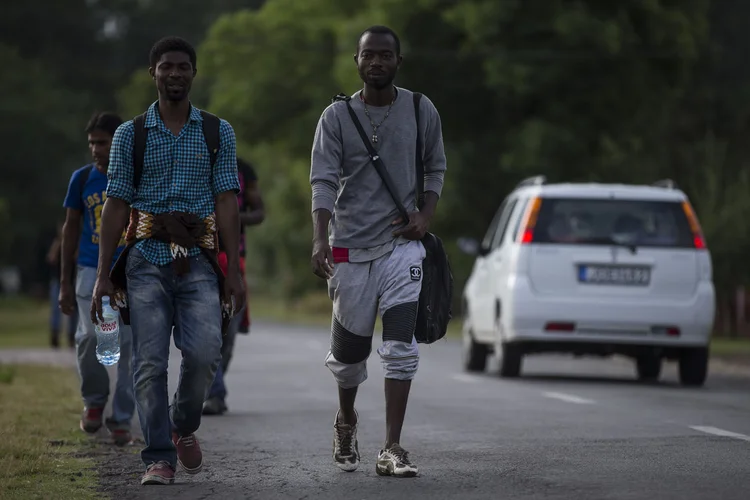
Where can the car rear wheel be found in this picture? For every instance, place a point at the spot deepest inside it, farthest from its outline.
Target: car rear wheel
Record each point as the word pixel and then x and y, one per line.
pixel 511 360
pixel 648 367
pixel 693 365
pixel 474 353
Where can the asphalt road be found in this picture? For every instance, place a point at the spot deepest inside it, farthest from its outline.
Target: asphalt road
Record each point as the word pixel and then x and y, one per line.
pixel 568 429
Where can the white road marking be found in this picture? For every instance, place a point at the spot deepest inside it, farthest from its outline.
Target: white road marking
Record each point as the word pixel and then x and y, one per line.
pixel 720 432
pixel 462 377
pixel 569 398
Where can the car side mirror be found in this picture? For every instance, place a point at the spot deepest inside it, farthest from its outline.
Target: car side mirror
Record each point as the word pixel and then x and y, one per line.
pixel 469 246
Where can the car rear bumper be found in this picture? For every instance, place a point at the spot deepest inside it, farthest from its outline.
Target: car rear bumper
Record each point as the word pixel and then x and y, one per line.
pixel 610 321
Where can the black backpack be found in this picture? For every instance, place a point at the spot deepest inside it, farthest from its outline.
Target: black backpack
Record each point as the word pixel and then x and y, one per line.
pixel 211 125
pixel 435 308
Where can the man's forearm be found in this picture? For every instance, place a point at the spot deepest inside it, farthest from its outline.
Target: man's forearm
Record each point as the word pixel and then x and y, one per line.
pixel 321 219
pixel 70 234
pixel 228 220
pixel 430 204
pixel 115 215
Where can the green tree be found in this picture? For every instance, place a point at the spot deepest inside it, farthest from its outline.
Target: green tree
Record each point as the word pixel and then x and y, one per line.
pixel 581 90
pixel 270 73
pixel 44 124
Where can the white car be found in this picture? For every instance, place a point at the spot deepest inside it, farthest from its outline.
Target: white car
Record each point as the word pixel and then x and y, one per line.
pixel 591 269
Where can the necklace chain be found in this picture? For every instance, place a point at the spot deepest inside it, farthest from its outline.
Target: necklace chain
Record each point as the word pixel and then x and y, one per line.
pixel 387 113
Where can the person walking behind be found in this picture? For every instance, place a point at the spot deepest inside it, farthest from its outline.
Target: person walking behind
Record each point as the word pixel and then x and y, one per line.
pixel 81 232
pixel 372 259
pixel 54 257
pixel 174 170
pixel 252 212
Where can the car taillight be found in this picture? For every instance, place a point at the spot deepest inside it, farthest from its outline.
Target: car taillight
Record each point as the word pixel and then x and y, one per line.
pixel 698 241
pixel 670 331
pixel 530 220
pixel 560 327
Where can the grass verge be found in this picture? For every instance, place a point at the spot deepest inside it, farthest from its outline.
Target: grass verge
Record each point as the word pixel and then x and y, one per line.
pixel 41 449
pixel 24 323
pixel 729 347
pixel 315 309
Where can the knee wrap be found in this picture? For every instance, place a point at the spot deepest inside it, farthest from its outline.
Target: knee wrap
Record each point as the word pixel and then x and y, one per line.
pixel 399 322
pixel 347 347
pixel 399 353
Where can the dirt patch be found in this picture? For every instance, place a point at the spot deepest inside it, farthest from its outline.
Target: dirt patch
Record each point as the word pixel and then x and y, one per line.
pixel 118 466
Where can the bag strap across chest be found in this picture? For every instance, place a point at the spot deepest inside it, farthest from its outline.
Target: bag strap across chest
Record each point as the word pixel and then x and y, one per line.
pixel 378 162
pixel 211 126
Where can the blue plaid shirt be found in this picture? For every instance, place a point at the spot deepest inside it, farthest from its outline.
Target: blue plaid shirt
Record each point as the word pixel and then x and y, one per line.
pixel 176 173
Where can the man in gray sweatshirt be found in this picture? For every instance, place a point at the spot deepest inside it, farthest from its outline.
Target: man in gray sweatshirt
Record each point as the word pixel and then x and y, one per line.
pixel 372 260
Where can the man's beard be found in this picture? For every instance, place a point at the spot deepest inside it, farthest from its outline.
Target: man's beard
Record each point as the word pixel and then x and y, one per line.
pixel 176 95
pixel 378 84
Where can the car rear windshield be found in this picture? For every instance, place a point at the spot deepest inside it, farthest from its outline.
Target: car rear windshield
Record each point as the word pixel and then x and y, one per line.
pixel 605 222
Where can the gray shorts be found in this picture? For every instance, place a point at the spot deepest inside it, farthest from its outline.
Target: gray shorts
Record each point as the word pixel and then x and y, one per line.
pixel 388 285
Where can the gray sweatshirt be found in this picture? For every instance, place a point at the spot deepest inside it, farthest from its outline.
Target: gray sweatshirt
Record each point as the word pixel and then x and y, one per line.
pixel 345 182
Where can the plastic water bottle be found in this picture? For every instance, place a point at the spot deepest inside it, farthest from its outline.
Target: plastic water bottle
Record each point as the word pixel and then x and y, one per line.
pixel 108 335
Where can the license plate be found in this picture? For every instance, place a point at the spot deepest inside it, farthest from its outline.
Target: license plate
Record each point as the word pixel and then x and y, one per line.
pixel 614 275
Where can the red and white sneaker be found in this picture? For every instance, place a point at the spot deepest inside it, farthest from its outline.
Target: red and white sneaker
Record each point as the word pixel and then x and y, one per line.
pixel 91 419
pixel 189 454
pixel 121 434
pixel 158 473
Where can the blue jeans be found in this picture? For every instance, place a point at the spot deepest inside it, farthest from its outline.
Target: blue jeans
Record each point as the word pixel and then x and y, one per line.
pixel 94 376
pixel 159 299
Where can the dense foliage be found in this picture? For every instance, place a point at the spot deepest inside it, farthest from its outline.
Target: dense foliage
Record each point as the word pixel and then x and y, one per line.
pixel 619 91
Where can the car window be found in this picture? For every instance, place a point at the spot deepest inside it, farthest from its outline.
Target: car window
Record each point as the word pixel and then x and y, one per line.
pixel 503 223
pixel 490 235
pixel 644 223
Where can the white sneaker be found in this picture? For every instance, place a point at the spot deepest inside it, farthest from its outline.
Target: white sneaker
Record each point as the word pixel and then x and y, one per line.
pixel 395 462
pixel 345 446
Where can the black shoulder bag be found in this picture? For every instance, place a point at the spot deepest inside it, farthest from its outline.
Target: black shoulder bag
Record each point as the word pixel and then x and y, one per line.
pixel 434 311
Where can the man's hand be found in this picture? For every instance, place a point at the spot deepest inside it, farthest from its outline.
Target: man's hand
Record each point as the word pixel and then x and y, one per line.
pixel 67 299
pixel 234 291
pixel 322 259
pixel 102 287
pixel 415 229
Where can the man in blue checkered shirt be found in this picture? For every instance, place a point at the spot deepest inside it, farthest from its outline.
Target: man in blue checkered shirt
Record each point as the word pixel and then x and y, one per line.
pixel 169 267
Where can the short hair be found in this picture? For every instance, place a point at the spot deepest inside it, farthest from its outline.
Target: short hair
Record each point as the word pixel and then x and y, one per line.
pixel 171 44
pixel 380 30
pixel 104 121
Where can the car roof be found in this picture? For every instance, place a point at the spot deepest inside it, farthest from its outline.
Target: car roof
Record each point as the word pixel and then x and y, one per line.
pixel 600 190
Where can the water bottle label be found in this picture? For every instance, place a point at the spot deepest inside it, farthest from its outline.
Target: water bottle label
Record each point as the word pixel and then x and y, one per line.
pixel 108 326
